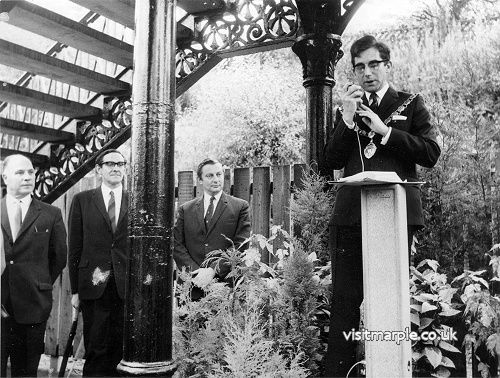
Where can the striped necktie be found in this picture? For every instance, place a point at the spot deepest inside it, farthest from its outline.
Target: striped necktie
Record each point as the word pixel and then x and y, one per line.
pixel 210 212
pixel 111 210
pixel 373 102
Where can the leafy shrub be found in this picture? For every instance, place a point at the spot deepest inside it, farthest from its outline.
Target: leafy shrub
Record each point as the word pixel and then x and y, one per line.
pixel 465 303
pixel 431 307
pixel 262 324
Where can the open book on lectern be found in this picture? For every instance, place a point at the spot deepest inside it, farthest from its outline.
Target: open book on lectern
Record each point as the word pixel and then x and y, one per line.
pixel 373 178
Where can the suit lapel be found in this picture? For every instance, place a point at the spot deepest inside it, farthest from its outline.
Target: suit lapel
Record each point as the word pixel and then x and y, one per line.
pixel 387 104
pixel 365 100
pixel 221 206
pixel 99 203
pixel 199 214
pixel 5 220
pixel 31 215
pixel 123 208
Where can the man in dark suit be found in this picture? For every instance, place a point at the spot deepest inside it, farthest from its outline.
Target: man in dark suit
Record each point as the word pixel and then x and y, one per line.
pixel 203 224
pixel 378 129
pixel 98 257
pixel 35 252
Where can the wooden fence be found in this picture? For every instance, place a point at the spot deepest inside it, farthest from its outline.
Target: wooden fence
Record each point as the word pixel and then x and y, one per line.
pixel 267 189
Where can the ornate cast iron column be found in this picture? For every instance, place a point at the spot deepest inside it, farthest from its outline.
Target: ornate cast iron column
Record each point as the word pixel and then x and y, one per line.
pixel 148 307
pixel 319 49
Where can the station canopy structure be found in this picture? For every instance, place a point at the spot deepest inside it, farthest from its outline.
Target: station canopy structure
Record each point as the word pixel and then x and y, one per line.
pixel 67 68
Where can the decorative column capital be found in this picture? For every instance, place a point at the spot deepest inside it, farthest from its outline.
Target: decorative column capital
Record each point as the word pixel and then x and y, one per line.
pixel 319 54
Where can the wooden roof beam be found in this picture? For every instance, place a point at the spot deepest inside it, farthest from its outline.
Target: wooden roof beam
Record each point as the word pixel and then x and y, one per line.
pixel 37 63
pixel 121 11
pixel 52 25
pixel 29 130
pixel 37 100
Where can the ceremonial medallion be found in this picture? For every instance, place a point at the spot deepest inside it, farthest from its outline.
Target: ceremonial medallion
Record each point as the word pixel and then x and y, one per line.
pixel 370 150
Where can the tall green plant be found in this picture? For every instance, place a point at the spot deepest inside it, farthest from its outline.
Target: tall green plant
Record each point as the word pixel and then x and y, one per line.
pixel 311 209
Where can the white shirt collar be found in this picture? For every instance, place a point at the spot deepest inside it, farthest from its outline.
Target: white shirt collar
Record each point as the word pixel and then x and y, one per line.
pixel 217 196
pixel 106 190
pixel 206 200
pixel 380 93
pixel 26 200
pixel 11 204
pixel 117 192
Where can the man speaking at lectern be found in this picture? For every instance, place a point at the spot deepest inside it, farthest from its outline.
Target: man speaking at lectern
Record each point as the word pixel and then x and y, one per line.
pixel 376 129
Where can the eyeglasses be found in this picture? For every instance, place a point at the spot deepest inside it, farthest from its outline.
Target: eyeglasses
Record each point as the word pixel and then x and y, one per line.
pixel 374 65
pixel 112 164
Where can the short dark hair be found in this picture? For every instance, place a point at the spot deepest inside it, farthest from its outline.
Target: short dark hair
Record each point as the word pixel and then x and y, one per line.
pixel 100 157
pixel 366 42
pixel 207 161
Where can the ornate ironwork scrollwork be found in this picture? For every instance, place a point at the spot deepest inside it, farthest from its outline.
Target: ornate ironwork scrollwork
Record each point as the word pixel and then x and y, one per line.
pixel 244 23
pixel 93 137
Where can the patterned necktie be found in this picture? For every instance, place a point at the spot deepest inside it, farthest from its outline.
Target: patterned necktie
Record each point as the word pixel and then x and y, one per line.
pixel 210 211
pixel 111 210
pixel 373 102
pixel 17 221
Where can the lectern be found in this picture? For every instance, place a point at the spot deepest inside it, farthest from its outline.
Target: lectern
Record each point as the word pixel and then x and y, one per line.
pixel 385 272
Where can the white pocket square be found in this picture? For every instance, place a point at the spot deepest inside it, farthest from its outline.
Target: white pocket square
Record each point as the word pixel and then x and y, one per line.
pixel 398 118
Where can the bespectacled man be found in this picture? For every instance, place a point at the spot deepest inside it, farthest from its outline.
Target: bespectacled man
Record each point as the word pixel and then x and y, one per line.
pixel 98 258
pixel 377 129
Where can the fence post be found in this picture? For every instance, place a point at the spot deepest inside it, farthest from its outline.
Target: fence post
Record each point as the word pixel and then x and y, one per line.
pixel 261 200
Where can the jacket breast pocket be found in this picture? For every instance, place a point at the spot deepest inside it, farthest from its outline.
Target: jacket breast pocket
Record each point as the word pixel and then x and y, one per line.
pixel 41 234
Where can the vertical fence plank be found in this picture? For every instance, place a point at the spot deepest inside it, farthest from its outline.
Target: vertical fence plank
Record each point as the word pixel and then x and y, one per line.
pixel 54 323
pixel 298 176
pixel 280 205
pixel 241 187
pixel 261 200
pixel 65 308
pixel 52 331
pixel 185 186
pixel 199 187
pixel 281 197
pixel 227 181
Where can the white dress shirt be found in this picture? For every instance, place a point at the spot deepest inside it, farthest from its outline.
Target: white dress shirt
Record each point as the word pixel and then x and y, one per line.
pixel 106 190
pixel 206 202
pixel 380 94
pixel 11 203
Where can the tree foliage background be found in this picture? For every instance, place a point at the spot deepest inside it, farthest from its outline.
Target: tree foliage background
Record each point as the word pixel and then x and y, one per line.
pixel 250 111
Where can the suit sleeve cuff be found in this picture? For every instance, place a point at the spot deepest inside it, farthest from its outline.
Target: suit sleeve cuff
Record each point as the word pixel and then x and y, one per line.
pixel 349 125
pixel 386 137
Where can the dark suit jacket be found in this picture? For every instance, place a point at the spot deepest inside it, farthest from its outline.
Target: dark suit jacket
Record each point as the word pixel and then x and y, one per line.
pixel 93 248
pixel 193 242
pixel 34 261
pixel 412 141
